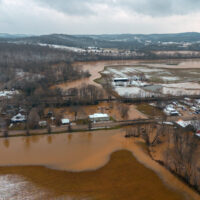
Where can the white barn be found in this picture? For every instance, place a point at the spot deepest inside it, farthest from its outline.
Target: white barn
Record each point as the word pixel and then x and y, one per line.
pixel 97 117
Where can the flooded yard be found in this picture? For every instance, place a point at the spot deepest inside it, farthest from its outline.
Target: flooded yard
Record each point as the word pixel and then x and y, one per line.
pixel 110 108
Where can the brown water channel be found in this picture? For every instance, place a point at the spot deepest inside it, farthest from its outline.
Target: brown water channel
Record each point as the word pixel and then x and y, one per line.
pixel 79 166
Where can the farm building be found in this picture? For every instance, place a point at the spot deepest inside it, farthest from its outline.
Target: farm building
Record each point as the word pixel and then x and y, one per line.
pixel 120 81
pixel 97 117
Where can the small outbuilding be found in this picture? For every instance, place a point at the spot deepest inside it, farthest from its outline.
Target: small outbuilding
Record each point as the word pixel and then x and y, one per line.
pixel 65 121
pixel 97 117
pixel 42 123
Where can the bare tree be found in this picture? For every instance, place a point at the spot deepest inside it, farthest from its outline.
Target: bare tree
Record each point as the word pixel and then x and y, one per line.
pixel 108 85
pixel 131 132
pixel 89 125
pixel 69 128
pixel 4 127
pixel 123 110
pixel 49 128
pixel 151 134
pixel 182 155
pixel 75 109
pixel 33 118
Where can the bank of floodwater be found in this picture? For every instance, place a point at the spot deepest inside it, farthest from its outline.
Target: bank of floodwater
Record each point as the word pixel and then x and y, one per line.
pixel 76 162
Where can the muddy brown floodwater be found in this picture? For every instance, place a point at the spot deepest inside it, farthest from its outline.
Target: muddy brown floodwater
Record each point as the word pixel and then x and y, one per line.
pixel 83 166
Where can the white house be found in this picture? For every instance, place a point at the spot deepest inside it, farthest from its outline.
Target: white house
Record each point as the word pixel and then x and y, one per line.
pixel 99 117
pixel 18 118
pixel 65 121
pixel 170 110
pixel 183 124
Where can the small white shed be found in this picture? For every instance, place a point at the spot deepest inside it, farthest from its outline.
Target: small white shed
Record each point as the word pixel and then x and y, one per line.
pixel 65 121
pixel 42 123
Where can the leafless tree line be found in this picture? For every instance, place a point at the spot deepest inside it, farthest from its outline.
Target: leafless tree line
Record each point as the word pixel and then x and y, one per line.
pixel 181 156
pixel 87 94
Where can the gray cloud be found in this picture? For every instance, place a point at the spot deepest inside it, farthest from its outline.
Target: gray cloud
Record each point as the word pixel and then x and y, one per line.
pixel 146 7
pixel 99 16
pixel 161 8
pixel 71 7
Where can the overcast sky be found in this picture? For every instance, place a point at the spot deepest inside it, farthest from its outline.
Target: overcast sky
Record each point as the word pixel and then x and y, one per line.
pixel 99 16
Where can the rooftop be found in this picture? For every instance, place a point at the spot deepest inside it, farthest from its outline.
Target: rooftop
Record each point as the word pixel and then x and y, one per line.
pixel 99 115
pixel 183 124
pixel 65 121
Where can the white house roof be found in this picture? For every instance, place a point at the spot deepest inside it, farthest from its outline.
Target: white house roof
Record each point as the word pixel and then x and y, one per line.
pixel 198 101
pixel 65 121
pixel 42 122
pixel 18 117
pixel 170 109
pixel 98 115
pixel 198 134
pixel 6 93
pixel 183 124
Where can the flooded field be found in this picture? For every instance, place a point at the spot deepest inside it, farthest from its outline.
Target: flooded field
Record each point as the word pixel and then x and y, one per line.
pixel 98 66
pixel 146 79
pixel 176 64
pixel 79 166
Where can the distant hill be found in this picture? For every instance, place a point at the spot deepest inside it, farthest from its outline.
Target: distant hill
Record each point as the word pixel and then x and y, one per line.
pixel 6 35
pixel 179 37
pixel 180 41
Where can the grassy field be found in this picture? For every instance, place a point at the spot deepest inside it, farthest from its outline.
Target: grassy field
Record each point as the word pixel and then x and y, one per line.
pixel 150 110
